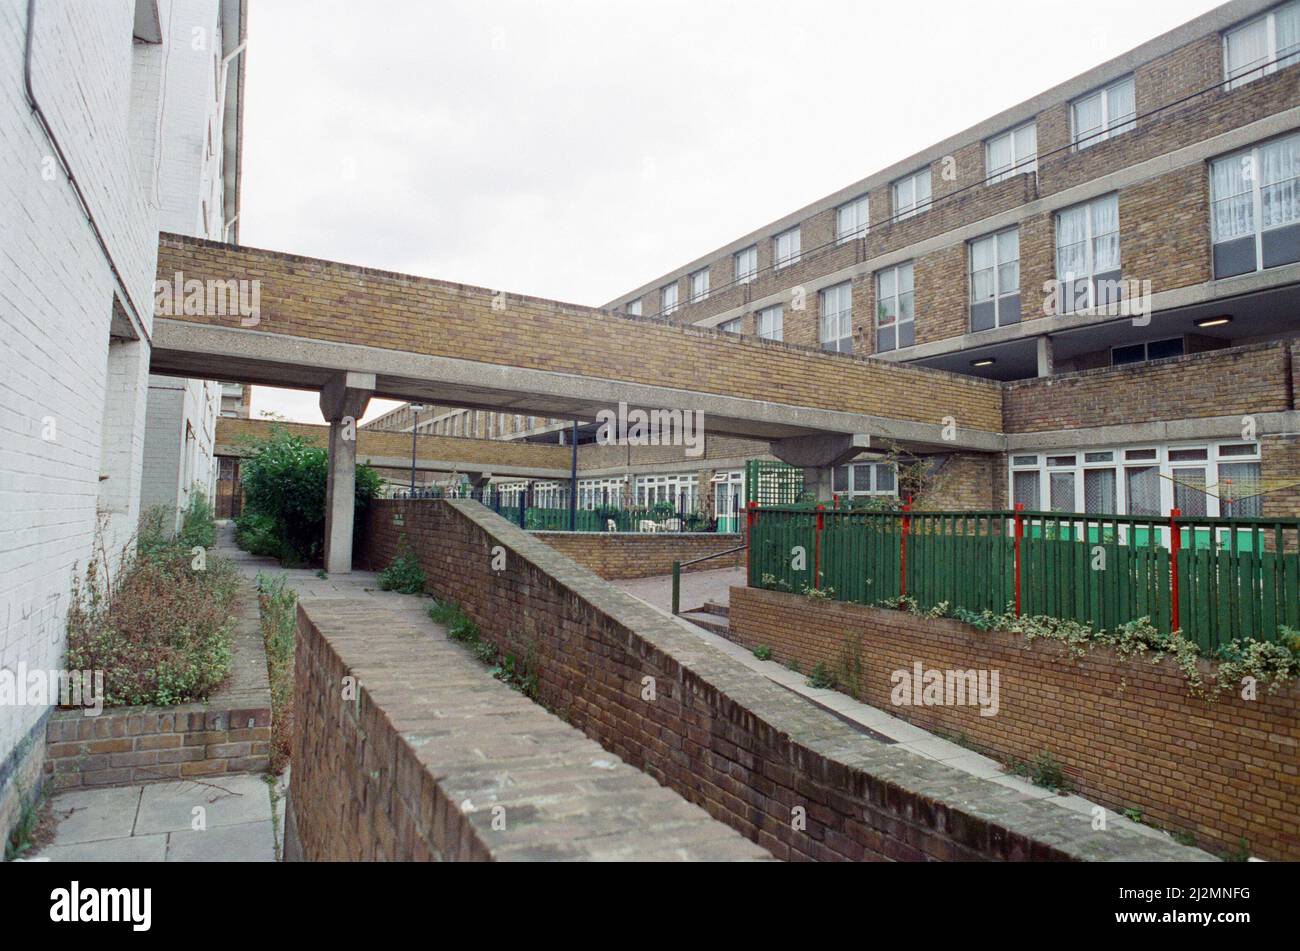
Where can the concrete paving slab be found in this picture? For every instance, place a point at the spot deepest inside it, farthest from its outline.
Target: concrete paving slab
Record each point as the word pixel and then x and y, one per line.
pixel 88 815
pixel 245 842
pixel 226 800
pixel 131 848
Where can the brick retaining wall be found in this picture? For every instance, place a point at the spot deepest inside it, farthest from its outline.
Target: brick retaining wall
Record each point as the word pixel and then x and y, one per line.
pixel 616 555
pixel 1127 733
pixel 718 733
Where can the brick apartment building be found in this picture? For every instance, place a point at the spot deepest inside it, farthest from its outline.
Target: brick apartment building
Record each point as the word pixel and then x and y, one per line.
pixel 1122 252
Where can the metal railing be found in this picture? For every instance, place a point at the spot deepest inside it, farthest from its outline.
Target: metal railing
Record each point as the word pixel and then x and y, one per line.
pixel 1215 579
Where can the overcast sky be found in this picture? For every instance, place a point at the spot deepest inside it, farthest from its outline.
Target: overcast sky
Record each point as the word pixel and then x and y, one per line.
pixel 576 149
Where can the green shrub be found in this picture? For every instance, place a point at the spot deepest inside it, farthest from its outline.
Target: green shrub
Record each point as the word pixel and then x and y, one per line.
pixel 821 678
pixel 404 575
pixel 198 522
pixel 277 604
pixel 284 480
pixel 256 534
pixel 763 653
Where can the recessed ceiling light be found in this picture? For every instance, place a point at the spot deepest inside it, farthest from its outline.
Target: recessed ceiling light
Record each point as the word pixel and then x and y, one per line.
pixel 986 362
pixel 1214 321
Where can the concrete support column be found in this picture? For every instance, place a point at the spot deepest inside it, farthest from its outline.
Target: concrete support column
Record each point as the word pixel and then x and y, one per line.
pixel 821 481
pixel 343 402
pixel 1045 356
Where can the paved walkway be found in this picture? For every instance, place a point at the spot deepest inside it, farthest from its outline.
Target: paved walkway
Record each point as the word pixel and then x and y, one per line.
pixel 224 819
pixel 714 585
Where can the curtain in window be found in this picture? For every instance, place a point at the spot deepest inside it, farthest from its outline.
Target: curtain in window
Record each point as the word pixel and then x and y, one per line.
pixel 1099 491
pixel 1087 117
pixel 1009 262
pixel 1026 148
pixel 905 296
pixel 1278 180
pixel 982 264
pixel 1248 49
pixel 1105 231
pixel 1121 106
pixel 1288 35
pixel 1143 487
pixel 1001 156
pixel 1234 207
pixel 1024 488
pixel 886 297
pixel 923 188
pixel 1072 243
pixel 1239 481
pixel 1062 488
pixel 1189 495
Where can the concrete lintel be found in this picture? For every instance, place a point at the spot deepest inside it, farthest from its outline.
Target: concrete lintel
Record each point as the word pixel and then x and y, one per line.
pixel 812 452
pixel 1178 430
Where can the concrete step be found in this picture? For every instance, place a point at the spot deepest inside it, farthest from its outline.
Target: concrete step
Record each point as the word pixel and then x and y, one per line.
pixel 713 607
pixel 708 621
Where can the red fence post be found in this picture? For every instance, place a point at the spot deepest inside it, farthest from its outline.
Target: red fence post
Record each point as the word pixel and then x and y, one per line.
pixel 902 551
pixel 1020 533
pixel 751 511
pixel 817 547
pixel 1175 544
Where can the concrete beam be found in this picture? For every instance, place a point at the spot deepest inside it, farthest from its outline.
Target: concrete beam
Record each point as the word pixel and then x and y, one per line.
pixel 811 452
pixel 343 402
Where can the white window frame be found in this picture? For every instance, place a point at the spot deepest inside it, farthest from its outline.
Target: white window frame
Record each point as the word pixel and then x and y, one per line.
pixel 634 308
pixel 1270 64
pixel 1106 131
pixel 843 339
pixel 749 258
pixel 771 323
pixel 1020 164
pixel 1257 199
pixel 913 207
pixel 793 237
pixel 852 220
pixel 898 321
pixel 699 284
pixel 732 326
pixel 1146 351
pixel 998 265
pixel 849 472
pixel 669 299
pixel 1090 257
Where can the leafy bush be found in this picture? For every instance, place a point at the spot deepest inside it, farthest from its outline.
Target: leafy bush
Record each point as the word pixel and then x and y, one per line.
pixel 199 522
pixel 284 480
pixel 404 575
pixel 158 628
pixel 763 653
pixel 821 678
pixel 256 534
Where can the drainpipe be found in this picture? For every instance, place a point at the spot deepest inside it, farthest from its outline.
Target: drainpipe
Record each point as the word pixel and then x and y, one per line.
pixel 32 101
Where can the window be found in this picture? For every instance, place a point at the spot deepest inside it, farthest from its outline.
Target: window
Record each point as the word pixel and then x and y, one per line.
pixel 1255 208
pixel 1142 352
pixel 634 307
pixel 771 323
pixel 836 304
pixel 1011 153
pixel 668 298
pixel 700 284
pixel 1262 46
pixel 785 248
pixel 731 326
pixel 895 309
pixel 912 194
pixel 1087 255
pixel 851 220
pixel 1103 114
pixel 995 280
pixel 1024 489
pixel 865 479
pixel 746 263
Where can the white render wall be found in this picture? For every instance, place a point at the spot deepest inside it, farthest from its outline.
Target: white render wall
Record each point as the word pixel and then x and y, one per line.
pixel 72 406
pixel 190 189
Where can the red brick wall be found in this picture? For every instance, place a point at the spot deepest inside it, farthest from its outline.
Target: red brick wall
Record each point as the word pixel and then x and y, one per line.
pixel 722 736
pixel 1127 733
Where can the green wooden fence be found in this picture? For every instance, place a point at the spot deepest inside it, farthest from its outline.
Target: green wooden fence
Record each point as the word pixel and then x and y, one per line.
pixel 1234 577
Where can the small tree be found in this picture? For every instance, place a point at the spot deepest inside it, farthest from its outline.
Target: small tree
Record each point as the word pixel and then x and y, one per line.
pixel 284 480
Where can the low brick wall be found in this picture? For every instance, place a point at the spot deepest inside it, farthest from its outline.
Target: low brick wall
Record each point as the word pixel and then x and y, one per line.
pixel 1127 733
pixel 432 759
pixel 723 736
pixel 230 733
pixel 619 555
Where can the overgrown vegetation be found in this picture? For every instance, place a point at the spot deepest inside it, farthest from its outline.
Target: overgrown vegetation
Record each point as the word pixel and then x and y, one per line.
pixel 1044 771
pixel 156 620
pixel 284 482
pixel 821 677
pixel 1268 664
pixel 405 574
pixel 763 652
pixel 277 605
pixel 519 673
